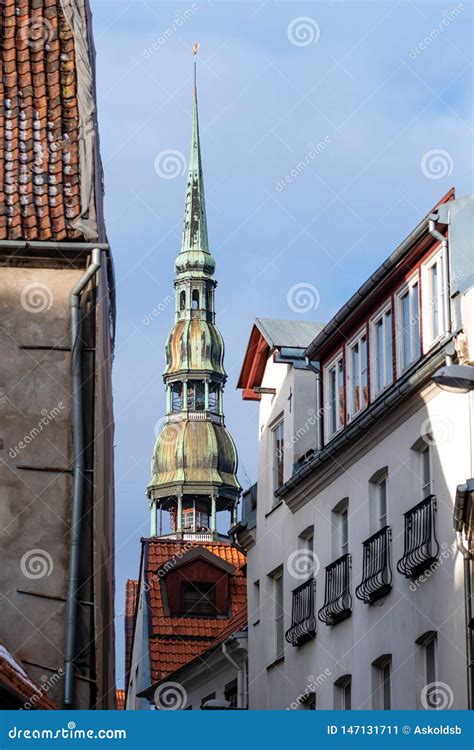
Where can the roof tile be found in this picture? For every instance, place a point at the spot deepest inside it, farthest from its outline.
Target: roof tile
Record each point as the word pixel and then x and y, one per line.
pixel 175 641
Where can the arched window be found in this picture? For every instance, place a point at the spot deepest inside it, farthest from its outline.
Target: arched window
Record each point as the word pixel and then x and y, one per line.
pixel 182 301
pixel 195 300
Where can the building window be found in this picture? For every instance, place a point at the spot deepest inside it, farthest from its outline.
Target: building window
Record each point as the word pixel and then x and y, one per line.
pixel 182 301
pixel 408 325
pixel 342 693
pixel 434 290
pixel 278 454
pixel 256 602
pixel 381 500
pixel 176 397
pixel 196 395
pixel 334 397
pixel 230 693
pixel 279 629
pixel 426 666
pixel 308 702
pixel 195 520
pixel 425 471
pixel 340 529
pixel 357 375
pixel 214 397
pixel 198 599
pixel 195 300
pixel 382 351
pixel 381 690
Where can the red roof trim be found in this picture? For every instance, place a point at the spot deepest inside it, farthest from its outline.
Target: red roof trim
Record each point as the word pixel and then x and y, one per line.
pixel 253 367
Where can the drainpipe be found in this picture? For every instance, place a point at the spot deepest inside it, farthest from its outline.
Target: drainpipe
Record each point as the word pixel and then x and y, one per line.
pixel 241 702
pixel 446 298
pixel 78 474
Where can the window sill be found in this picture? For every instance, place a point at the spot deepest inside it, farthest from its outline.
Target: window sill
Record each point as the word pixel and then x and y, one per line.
pixel 276 662
pixel 274 507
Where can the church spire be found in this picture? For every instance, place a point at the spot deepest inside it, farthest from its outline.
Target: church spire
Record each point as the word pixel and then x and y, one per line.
pixel 195 252
pixel 194 466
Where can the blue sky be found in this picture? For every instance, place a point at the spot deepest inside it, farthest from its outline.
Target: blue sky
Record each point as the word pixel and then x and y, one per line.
pixel 275 79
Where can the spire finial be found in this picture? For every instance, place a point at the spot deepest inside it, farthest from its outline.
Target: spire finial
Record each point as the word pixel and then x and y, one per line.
pixel 196 46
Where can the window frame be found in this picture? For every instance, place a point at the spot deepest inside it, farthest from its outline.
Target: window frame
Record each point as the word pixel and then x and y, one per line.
pixel 279 615
pixel 278 461
pixel 380 315
pixel 382 518
pixel 437 258
pixel 415 351
pixel 343 693
pixel 349 379
pixel 212 611
pixel 339 407
pixel 381 684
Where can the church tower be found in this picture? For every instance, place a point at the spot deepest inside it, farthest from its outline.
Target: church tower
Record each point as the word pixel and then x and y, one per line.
pixel 194 465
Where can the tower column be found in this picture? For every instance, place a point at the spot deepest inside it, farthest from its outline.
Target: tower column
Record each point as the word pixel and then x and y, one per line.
pixel 234 513
pixel 213 513
pixel 153 526
pixel 179 514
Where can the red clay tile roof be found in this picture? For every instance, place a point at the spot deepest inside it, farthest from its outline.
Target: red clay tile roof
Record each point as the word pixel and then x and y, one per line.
pixel 176 641
pixel 120 699
pixel 14 678
pixel 47 124
pixel 131 595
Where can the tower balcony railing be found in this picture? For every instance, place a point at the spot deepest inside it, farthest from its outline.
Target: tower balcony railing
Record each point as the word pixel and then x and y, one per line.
pixel 337 595
pixel 303 620
pixel 376 571
pixel 421 547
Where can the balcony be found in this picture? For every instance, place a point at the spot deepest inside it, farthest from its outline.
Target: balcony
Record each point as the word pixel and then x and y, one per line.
pixel 303 620
pixel 421 547
pixel 376 570
pixel 337 595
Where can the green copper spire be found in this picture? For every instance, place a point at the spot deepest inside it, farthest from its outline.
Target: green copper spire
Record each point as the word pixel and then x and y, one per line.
pixel 194 466
pixel 195 254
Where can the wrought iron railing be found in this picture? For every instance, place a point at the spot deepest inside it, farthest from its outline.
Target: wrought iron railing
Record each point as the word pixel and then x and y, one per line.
pixel 421 547
pixel 337 594
pixel 376 571
pixel 303 620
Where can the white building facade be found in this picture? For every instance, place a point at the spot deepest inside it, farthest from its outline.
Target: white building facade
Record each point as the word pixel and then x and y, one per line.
pixel 355 584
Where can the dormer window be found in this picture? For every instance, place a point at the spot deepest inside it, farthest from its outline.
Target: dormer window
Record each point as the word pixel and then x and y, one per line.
pixel 196 585
pixel 198 599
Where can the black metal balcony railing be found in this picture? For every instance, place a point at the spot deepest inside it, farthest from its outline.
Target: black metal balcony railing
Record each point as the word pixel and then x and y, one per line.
pixel 421 547
pixel 303 620
pixel 337 595
pixel 376 570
